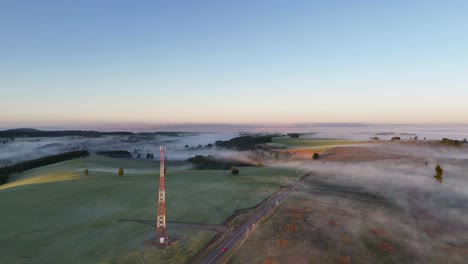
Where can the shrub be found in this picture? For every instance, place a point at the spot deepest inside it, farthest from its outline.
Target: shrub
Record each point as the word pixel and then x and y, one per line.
pixel 450 142
pixel 315 156
pixel 234 170
pixel 85 172
pixel 439 173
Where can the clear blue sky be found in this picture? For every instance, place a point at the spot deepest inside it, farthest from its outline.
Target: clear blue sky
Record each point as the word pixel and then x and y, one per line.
pixel 233 61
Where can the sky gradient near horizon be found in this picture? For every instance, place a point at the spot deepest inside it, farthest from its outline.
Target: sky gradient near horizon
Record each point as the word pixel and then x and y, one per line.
pixel 233 61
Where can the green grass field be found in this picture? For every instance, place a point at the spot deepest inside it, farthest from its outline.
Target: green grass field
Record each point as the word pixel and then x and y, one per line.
pixel 54 214
pixel 321 144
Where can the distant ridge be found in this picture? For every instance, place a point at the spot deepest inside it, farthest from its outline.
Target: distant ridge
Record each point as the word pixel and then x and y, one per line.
pixel 22 130
pixel 30 132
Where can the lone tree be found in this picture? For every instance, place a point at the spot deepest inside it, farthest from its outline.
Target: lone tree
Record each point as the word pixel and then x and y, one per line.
pixel 439 173
pixel 120 172
pixel 85 172
pixel 234 170
pixel 315 156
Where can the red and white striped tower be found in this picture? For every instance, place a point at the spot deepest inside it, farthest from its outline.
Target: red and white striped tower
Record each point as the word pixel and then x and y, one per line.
pixel 161 219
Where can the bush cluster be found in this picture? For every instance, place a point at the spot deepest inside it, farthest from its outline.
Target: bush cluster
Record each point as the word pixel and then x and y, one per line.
pixel 450 142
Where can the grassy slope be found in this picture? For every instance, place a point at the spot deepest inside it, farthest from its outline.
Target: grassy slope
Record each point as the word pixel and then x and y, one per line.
pixel 54 215
pixel 310 142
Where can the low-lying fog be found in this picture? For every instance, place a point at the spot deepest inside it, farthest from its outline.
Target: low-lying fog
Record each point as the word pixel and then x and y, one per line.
pixel 29 148
pixel 183 147
pixel 434 213
pixel 439 211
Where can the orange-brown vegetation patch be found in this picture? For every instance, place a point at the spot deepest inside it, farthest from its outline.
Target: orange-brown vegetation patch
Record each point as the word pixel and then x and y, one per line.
pixel 457 250
pixel 303 153
pixel 346 239
pixel 353 154
pixel 290 227
pixel 332 222
pixel 380 232
pixel 270 261
pixel 387 247
pixel 294 210
pixel 343 259
pixel 282 243
pixel 299 216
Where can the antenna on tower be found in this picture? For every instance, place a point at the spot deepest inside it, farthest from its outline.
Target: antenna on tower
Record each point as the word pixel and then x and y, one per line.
pixel 161 236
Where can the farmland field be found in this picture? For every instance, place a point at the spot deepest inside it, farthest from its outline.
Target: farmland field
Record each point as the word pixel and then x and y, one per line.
pixel 322 143
pixel 55 214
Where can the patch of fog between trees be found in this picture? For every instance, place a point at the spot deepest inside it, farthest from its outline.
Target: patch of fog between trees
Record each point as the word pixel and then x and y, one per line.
pixel 408 185
pixel 22 149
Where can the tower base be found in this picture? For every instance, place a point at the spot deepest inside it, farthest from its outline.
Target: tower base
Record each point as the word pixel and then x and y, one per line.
pixel 160 243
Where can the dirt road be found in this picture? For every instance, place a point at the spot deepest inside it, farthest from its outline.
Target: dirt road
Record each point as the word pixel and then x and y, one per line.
pixel 237 235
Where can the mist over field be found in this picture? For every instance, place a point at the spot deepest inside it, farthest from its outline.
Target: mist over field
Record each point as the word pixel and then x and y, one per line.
pixel 260 131
pixel 363 178
pixel 432 214
pixel 29 148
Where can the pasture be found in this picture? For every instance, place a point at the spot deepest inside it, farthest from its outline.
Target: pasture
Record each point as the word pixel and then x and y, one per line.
pixel 55 214
pixel 321 144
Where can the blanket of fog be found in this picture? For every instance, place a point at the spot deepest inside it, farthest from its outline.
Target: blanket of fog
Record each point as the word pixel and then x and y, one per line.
pixel 436 213
pixel 29 148
pixel 406 182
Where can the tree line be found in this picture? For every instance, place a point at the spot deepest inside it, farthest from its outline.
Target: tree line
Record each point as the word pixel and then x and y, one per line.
pixel 12 133
pixel 6 171
pixel 244 142
pixel 115 153
pixel 200 162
